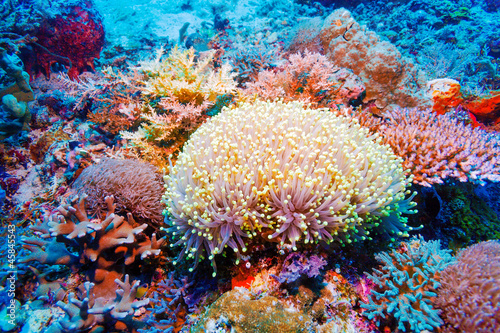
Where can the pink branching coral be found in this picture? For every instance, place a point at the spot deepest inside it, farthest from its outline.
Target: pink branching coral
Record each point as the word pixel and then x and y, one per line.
pixel 114 96
pixel 310 78
pixel 469 296
pixel 136 186
pixel 435 147
pixel 282 172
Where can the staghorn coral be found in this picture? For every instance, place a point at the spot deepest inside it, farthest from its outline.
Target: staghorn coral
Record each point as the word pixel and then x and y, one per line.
pixel 469 296
pixel 136 186
pixel 406 284
pixel 282 172
pixel 435 147
pixel 103 246
pixel 169 305
pixel 177 93
pixel 308 77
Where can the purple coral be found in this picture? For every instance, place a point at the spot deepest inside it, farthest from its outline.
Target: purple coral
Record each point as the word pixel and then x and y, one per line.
pixel 469 296
pixel 298 265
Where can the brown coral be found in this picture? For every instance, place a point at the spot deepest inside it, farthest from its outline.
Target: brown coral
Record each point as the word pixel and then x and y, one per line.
pixel 390 79
pixel 104 245
pixel 469 296
pixel 136 186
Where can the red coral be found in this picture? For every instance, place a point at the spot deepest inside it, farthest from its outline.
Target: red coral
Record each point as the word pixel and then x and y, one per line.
pixel 76 35
pixel 486 109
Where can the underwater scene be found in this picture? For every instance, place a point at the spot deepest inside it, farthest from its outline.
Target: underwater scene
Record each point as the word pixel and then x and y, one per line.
pixel 250 166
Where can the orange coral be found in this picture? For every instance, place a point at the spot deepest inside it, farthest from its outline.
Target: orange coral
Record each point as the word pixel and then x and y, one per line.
pixel 445 94
pixel 486 109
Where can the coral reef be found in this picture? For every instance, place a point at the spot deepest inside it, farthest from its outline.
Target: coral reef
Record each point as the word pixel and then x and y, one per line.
pixel 249 175
pixel 468 294
pixel 136 187
pixel 272 207
pixel 406 284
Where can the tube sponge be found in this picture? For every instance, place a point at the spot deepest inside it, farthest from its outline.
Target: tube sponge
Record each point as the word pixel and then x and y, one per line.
pixel 282 172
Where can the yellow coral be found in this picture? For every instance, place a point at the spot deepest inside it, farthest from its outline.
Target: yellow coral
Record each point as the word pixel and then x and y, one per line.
pixel 180 77
pixel 179 91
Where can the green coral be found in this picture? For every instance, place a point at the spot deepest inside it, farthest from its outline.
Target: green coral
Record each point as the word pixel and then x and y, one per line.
pixel 471 215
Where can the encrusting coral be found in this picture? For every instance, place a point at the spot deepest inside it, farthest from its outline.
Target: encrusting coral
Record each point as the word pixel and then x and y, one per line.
pixel 469 295
pixel 137 188
pixel 391 80
pixel 282 172
pixel 406 284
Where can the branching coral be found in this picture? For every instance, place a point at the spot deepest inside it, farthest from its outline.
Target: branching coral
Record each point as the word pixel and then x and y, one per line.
pixel 136 187
pixel 114 96
pixel 435 147
pixel 469 295
pixel 103 245
pixel 250 61
pixel 169 305
pixel 98 313
pixel 310 78
pixel 282 172
pixel 177 94
pixel 406 284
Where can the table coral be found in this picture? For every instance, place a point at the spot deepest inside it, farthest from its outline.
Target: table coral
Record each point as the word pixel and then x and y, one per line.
pixel 435 147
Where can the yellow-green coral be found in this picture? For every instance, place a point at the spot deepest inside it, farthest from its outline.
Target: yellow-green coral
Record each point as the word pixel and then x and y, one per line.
pixel 178 93
pixel 286 173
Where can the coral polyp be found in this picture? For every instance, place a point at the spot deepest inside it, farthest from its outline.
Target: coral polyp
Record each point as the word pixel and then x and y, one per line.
pixel 282 172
